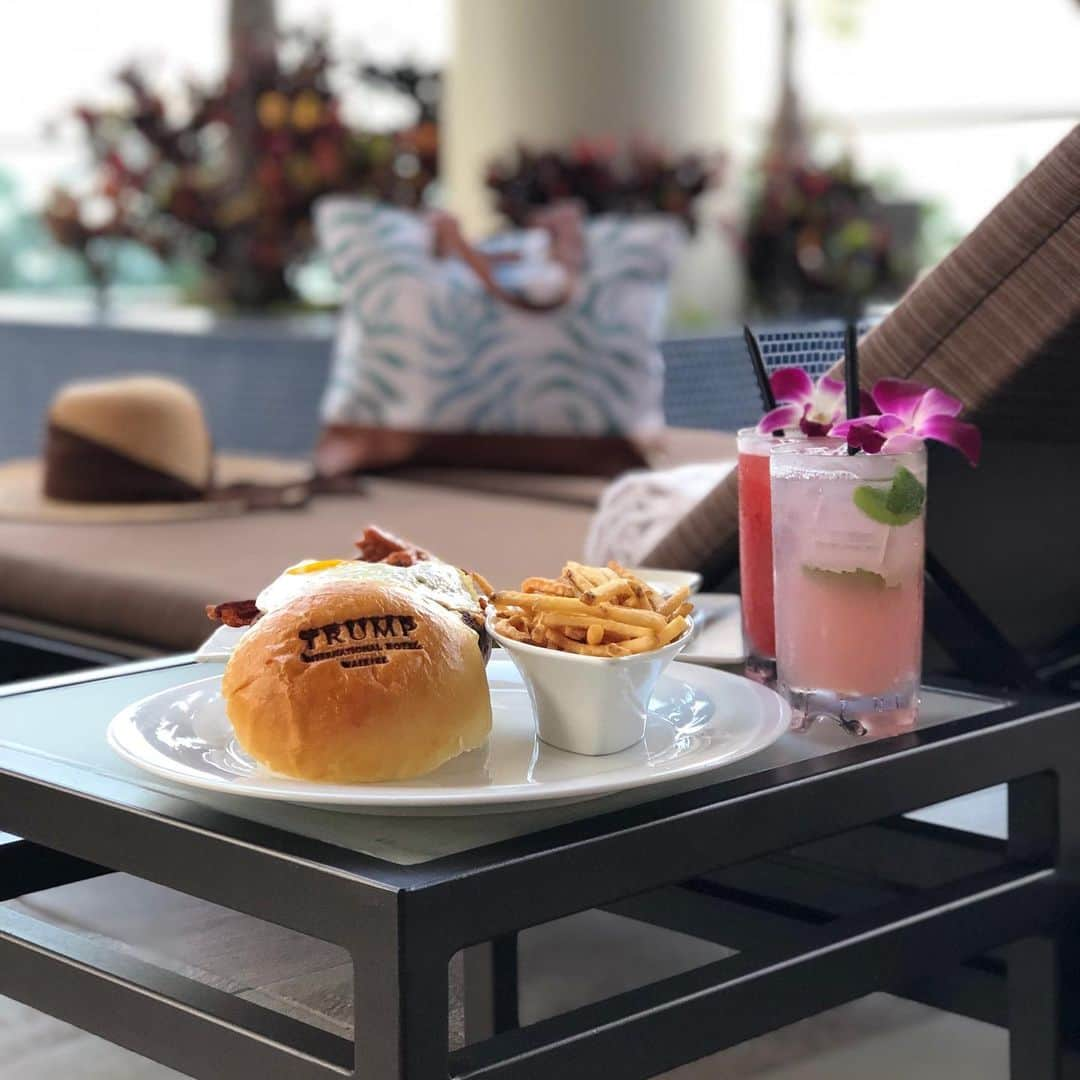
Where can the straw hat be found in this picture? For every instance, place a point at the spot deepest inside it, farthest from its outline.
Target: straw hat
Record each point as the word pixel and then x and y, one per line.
pixel 137 449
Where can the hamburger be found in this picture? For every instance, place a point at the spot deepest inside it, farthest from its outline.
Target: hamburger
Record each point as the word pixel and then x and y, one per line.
pixel 355 671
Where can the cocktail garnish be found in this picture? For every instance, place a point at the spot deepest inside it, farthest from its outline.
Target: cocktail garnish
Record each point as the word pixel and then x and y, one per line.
pixel 857 578
pixel 908 413
pixel 898 504
pixel 804 405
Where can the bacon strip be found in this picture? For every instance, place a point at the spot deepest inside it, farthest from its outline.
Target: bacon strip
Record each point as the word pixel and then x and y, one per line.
pixel 233 612
pixel 378 545
pixel 374 545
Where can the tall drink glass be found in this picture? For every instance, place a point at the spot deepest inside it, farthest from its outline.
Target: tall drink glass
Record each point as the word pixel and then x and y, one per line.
pixel 849 551
pixel 756 554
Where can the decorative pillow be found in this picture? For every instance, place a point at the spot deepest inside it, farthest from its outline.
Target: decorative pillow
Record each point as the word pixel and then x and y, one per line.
pixel 436 364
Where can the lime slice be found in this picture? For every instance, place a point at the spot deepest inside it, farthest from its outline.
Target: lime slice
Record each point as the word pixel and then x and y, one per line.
pixel 854 579
pixel 898 504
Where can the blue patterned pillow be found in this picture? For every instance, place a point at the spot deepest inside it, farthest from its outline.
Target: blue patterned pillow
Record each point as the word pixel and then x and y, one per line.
pixel 425 350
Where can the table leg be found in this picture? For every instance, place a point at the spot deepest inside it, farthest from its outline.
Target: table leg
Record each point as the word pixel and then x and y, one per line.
pixel 1044 972
pixel 401 1000
pixel 491 988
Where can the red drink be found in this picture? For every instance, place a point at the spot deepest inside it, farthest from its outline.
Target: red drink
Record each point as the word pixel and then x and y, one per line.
pixel 755 553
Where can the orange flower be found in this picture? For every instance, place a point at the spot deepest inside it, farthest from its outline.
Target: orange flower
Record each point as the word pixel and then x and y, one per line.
pixel 272 109
pixel 307 111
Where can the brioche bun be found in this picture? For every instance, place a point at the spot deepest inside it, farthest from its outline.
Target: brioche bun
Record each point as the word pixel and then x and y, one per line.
pixel 363 681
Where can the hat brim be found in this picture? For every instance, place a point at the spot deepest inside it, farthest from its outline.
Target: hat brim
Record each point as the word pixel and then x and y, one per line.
pixel 22 495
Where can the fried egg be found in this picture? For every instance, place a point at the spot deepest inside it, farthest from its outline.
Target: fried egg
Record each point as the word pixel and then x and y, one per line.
pixel 444 583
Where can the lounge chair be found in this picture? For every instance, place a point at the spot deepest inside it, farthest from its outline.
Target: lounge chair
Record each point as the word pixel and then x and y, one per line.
pixel 997 323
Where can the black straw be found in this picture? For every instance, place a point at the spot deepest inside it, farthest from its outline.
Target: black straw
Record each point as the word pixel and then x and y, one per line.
pixel 762 376
pixel 851 373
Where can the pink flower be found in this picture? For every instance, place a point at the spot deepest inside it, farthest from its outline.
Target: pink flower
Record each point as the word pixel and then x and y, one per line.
pixel 813 409
pixel 907 414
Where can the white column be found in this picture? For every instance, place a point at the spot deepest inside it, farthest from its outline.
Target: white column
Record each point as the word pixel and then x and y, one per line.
pixel 545 71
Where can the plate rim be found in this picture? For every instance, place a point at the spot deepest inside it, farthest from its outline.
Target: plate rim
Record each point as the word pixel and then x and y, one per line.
pixel 776 722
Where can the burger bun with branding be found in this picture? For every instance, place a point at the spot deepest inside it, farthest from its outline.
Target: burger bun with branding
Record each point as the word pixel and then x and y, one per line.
pixel 360 682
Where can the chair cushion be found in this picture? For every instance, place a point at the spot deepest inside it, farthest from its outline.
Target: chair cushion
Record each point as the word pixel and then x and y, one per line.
pixel 680 446
pixel 148 584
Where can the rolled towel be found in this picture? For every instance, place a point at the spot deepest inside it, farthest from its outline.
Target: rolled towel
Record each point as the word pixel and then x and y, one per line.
pixel 639 509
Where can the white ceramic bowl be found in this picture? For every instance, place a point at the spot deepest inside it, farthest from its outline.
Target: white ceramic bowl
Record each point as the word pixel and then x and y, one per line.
pixel 589 704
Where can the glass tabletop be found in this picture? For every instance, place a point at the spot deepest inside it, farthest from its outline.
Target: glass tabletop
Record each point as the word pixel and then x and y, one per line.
pixel 68 723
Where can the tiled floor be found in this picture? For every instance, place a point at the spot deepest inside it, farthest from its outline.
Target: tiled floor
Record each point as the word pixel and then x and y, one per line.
pixel 879 1036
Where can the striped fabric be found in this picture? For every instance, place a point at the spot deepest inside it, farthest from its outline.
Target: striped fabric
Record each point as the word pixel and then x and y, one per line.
pixel 997 323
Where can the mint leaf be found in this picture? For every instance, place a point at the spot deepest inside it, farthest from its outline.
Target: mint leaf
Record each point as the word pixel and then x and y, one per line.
pixel 906 495
pixel 874 503
pixel 898 504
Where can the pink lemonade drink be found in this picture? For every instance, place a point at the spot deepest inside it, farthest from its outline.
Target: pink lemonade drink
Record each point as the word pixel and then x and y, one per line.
pixel 755 553
pixel 848 551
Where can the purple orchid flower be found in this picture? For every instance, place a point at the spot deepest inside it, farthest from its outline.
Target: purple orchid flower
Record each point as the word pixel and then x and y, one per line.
pixel 812 408
pixel 908 413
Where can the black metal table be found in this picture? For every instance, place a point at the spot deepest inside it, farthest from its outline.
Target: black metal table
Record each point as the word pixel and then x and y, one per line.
pixel 798 858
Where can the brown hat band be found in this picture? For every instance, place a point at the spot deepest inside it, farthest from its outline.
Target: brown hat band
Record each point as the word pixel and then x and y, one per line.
pixel 78 469
pixel 81 470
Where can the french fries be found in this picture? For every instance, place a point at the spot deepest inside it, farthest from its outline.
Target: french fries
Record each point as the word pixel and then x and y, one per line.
pixel 543 585
pixel 559 621
pixel 601 611
pixel 609 590
pixel 508 629
pixel 674 602
pixel 653 620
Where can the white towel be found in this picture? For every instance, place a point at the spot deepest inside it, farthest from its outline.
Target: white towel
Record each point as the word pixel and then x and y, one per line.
pixel 639 509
